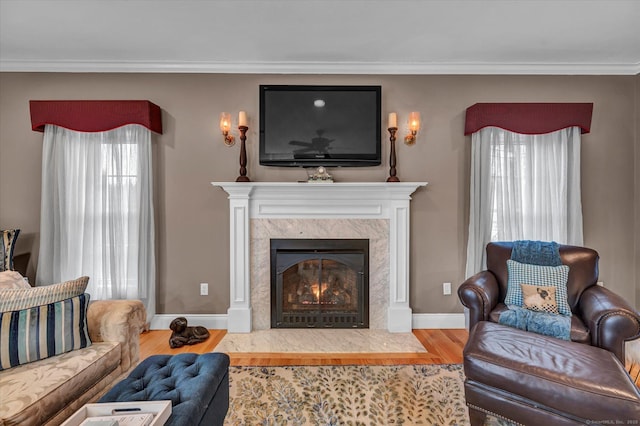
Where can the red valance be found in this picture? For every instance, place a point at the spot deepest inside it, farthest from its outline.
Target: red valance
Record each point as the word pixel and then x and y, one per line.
pixel 529 118
pixel 95 116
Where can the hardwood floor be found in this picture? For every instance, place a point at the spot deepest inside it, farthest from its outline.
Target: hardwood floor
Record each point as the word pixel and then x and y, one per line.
pixel 444 346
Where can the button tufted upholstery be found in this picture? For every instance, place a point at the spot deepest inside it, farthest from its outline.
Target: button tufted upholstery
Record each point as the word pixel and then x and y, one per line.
pixel 197 385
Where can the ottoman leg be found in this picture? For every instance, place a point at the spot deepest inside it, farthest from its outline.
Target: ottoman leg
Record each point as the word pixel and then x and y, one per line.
pixel 476 417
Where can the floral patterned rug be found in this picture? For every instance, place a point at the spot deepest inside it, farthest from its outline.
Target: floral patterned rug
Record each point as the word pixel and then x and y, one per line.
pixel 347 395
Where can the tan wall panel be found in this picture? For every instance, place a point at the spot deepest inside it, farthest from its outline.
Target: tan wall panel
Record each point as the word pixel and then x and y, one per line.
pixel 192 216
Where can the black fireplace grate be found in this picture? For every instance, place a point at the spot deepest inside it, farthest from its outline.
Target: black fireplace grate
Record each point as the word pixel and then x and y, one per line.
pixel 319 283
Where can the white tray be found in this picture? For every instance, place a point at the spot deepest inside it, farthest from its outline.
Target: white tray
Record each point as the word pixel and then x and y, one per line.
pixel 160 409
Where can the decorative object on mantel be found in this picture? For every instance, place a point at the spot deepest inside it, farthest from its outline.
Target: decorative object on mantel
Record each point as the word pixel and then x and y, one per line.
pixel 414 126
pixel 229 140
pixel 320 175
pixel 242 126
pixel 182 334
pixel 393 128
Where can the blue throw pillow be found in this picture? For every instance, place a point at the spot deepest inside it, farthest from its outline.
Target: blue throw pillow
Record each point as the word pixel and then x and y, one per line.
pixel 541 276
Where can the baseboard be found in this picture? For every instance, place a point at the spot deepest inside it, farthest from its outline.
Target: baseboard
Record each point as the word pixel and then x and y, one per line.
pixel 210 321
pixel 438 321
pixel 219 321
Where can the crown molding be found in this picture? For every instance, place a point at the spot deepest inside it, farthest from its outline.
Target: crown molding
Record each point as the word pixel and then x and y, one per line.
pixel 312 67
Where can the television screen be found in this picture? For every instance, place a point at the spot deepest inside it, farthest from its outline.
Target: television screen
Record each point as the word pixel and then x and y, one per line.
pixel 310 126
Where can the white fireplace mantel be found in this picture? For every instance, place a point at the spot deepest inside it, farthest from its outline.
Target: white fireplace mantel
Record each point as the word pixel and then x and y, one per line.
pixel 285 200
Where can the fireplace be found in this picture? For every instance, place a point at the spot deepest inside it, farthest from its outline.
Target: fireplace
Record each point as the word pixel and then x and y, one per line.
pixel 319 283
pixel 261 211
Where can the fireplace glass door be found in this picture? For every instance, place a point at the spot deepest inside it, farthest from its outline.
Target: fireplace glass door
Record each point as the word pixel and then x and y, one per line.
pixel 319 283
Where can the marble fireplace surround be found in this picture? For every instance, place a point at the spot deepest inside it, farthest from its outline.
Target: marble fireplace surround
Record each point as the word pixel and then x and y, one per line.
pixel 259 211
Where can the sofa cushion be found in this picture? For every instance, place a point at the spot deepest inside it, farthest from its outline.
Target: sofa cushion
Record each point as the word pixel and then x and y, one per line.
pixel 10 280
pixel 43 331
pixel 541 276
pixel 35 392
pixel 23 298
pixel 8 239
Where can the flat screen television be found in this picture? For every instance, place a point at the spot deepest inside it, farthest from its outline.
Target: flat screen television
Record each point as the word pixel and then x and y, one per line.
pixel 311 126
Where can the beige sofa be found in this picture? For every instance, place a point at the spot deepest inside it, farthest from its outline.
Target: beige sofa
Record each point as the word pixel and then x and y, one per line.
pixel 47 391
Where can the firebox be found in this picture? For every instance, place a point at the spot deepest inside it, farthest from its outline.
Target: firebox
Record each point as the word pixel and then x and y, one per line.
pixel 319 283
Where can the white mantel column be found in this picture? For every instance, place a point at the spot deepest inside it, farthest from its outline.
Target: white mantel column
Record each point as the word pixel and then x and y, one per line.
pixel 239 312
pixel 399 313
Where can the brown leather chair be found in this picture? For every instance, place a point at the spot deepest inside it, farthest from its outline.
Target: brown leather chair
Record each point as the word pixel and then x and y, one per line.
pixel 600 317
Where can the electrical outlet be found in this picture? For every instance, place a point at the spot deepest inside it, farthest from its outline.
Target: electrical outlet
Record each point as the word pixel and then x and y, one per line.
pixel 600 283
pixel 204 289
pixel 446 289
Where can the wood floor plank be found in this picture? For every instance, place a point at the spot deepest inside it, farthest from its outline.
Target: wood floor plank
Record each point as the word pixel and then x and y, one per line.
pixel 156 342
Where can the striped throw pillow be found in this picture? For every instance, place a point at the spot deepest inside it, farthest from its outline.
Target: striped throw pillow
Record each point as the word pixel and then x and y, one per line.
pixel 16 299
pixel 540 276
pixel 8 239
pixel 43 331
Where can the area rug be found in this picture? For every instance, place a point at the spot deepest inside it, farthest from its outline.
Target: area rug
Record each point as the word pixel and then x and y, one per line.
pixel 347 395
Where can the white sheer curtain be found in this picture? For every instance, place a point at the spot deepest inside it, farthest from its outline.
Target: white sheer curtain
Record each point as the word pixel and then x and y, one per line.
pixel 97 212
pixel 523 187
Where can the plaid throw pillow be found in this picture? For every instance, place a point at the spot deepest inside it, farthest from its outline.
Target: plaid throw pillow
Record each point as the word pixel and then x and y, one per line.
pixel 539 276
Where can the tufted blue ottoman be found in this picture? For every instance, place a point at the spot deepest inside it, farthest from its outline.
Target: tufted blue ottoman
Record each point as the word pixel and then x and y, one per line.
pixel 197 385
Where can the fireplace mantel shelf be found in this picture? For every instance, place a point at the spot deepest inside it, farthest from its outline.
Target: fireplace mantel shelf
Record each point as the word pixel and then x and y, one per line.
pixel 320 200
pixel 301 200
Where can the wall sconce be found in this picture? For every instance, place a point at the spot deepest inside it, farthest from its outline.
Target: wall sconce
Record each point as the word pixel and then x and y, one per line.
pixel 414 126
pixel 225 126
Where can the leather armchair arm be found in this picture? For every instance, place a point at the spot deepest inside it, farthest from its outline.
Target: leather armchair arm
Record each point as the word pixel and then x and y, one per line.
pixel 479 294
pixel 609 318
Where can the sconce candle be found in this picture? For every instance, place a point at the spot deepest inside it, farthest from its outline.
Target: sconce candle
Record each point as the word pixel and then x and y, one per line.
pixel 242 119
pixel 225 126
pixel 414 126
pixel 225 121
pixel 414 121
pixel 393 120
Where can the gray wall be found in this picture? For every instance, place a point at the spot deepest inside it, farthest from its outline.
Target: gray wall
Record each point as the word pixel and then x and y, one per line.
pixel 192 216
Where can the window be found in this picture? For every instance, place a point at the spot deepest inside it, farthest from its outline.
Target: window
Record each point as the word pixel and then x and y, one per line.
pixel 97 211
pixel 523 187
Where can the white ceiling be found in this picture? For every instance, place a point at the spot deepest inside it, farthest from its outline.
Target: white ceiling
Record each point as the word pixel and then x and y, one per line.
pixel 322 36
